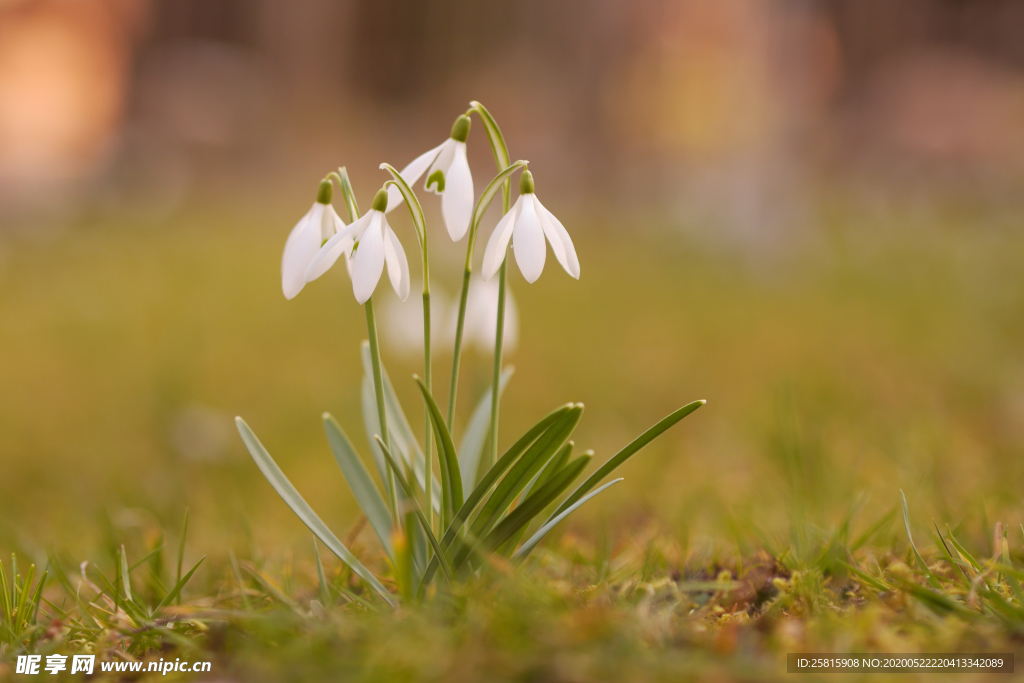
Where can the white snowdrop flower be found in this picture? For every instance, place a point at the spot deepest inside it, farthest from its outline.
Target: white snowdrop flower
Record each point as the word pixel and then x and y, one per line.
pixel 448 175
pixel 482 317
pixel 319 224
pixel 368 244
pixel 527 224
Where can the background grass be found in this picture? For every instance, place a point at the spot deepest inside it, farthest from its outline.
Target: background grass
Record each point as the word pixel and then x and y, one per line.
pixel 883 353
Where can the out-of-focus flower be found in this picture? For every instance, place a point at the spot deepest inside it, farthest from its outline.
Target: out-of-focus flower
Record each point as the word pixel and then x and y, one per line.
pixel 319 224
pixel 368 244
pixel 482 317
pixel 401 324
pixel 527 224
pixel 448 175
pixel 402 321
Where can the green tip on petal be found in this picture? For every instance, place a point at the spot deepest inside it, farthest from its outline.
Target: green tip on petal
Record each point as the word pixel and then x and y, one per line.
pixel 526 183
pixel 326 191
pixel 380 200
pixel 460 129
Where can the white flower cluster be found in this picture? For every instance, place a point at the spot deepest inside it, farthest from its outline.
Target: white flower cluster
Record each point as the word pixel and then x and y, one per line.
pixel 369 244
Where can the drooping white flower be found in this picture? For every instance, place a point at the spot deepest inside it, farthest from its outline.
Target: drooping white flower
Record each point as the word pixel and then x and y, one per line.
pixel 448 175
pixel 319 224
pixel 368 244
pixel 527 224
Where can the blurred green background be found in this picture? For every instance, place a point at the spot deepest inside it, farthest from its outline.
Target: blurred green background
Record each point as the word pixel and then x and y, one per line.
pixel 808 221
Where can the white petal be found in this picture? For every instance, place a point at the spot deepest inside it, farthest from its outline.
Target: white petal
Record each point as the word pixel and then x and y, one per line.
pixel 368 263
pixel 332 224
pixel 410 174
pixel 457 201
pixel 332 249
pixel 528 243
pixel 398 265
pixel 559 239
pixel 442 164
pixel 302 244
pixel 494 254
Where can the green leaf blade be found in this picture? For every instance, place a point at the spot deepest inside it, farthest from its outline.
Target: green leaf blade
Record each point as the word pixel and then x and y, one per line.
pixel 629 451
pixel 532 542
pixel 451 479
pixel 365 491
pixel 301 508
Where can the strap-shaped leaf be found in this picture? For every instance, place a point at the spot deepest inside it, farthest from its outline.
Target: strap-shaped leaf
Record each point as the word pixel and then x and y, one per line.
pixel 626 453
pixel 411 500
pixel 530 544
pixel 359 481
pixel 535 504
pixel 492 475
pixel 301 508
pixel 542 450
pixel 557 462
pixel 451 480
pixel 403 441
pixel 473 440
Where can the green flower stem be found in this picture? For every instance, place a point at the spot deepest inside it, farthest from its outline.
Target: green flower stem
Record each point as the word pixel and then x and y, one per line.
pixel 502 161
pixel 491 454
pixel 378 387
pixel 416 211
pixel 427 441
pixel 457 353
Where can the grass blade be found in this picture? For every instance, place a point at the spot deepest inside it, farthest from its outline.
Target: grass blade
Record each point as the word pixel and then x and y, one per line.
pixel 532 542
pixel 626 453
pixel 920 560
pixel 451 480
pixel 472 445
pixel 359 481
pixel 325 592
pixel 299 506
pixel 238 578
pixel 875 528
pixel 181 546
pixel 126 585
pixel 967 557
pixel 176 591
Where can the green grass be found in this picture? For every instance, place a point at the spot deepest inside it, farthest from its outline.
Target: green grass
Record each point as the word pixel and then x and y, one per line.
pixel 884 356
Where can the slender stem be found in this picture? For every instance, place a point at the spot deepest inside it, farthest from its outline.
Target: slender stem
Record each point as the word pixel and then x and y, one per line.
pixel 378 386
pixel 499 341
pixel 501 160
pixel 416 212
pixel 457 355
pixel 428 452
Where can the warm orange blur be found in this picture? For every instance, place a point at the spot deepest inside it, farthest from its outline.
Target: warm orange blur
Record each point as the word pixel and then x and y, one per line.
pixel 657 99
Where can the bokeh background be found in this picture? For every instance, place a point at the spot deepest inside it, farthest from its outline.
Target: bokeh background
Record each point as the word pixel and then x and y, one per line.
pixel 806 212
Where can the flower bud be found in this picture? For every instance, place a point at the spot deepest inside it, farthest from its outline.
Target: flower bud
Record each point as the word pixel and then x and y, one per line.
pixel 526 183
pixel 460 129
pixel 326 191
pixel 380 201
